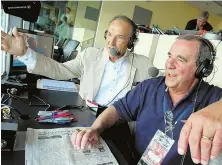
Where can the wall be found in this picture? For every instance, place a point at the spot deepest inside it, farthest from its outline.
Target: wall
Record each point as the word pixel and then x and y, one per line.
pixel 80 21
pixel 165 14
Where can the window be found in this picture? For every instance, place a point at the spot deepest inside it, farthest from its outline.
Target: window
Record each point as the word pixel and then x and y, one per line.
pixel 4 27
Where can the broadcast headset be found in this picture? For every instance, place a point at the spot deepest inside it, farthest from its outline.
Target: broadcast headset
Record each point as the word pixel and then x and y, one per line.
pixel 205 68
pixel 134 38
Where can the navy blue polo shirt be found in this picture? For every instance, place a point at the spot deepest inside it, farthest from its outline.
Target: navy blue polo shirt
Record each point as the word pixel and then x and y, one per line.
pixel 144 104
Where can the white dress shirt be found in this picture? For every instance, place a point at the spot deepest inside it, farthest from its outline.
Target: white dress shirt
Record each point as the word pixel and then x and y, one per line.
pixel 111 87
pixel 29 59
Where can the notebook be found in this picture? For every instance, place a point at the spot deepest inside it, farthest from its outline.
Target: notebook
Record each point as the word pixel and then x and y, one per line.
pixel 56 85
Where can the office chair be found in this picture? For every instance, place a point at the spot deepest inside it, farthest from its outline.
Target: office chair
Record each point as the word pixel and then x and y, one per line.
pixel 58 49
pixel 60 43
pixel 69 50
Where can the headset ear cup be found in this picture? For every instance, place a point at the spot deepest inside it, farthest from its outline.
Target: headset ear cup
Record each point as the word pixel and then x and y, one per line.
pixel 208 70
pixel 130 44
pixel 105 34
pixel 198 73
pixel 205 69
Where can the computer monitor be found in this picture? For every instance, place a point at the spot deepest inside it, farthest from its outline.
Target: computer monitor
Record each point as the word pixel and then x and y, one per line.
pixel 39 42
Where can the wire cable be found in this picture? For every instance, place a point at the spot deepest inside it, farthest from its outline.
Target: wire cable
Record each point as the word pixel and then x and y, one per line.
pixel 45 104
pixel 39 99
pixel 218 44
pixel 214 72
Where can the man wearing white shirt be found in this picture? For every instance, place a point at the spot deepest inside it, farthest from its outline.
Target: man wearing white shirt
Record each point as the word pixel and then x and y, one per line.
pixel 104 76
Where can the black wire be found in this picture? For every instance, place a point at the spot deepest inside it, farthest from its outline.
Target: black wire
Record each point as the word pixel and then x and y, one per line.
pixel 6 100
pixel 217 45
pixel 214 72
pixel 16 97
pixel 45 104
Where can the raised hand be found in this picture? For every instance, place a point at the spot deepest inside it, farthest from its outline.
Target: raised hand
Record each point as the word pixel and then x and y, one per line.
pixel 15 45
pixel 203 132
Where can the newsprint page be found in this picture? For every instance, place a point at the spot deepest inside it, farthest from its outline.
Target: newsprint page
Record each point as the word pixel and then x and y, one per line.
pixel 53 147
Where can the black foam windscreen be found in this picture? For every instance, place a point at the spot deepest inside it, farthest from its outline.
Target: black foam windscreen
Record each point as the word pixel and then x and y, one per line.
pixel 206 67
pixel 153 71
pixel 27 10
pixel 114 52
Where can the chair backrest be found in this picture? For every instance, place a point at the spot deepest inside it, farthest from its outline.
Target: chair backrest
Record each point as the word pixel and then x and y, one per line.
pixel 60 43
pixel 70 46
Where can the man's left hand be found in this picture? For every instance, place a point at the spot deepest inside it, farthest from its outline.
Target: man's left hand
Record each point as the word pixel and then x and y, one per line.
pixel 203 132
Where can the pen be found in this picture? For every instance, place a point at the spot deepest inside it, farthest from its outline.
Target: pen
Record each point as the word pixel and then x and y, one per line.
pixel 59 116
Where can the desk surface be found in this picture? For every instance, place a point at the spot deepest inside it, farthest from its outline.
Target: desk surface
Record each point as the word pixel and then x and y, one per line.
pixel 56 99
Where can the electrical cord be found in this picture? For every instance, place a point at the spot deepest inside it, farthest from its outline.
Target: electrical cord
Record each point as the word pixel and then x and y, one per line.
pixel 214 72
pixel 10 95
pixel 218 44
pixel 45 104
pixel 16 97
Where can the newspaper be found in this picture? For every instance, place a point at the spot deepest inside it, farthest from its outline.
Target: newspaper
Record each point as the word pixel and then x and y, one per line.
pixel 54 147
pixel 217 161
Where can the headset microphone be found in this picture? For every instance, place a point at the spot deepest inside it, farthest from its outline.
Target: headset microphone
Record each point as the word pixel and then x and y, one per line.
pixel 153 71
pixel 114 52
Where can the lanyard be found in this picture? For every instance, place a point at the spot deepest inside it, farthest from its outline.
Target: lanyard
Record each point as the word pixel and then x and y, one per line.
pixel 170 123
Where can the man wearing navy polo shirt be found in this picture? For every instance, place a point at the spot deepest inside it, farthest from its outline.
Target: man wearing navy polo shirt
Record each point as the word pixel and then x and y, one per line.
pixel 180 93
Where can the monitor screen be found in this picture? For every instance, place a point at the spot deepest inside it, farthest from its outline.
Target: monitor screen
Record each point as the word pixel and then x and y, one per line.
pixel 39 42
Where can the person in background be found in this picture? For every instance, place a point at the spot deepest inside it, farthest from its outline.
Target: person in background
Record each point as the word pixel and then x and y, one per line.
pixel 200 23
pixel 70 17
pixel 163 103
pixel 63 30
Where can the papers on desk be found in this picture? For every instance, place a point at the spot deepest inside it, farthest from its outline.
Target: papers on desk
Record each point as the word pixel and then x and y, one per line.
pixel 56 85
pixel 53 146
pixel 216 161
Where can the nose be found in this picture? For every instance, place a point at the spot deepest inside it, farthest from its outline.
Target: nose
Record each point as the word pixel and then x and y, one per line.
pixel 171 63
pixel 112 41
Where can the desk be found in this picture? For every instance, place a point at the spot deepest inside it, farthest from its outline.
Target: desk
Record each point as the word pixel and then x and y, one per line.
pixel 56 99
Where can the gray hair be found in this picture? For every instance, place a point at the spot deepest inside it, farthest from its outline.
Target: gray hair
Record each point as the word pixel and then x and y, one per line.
pixel 203 15
pixel 205 49
pixel 125 19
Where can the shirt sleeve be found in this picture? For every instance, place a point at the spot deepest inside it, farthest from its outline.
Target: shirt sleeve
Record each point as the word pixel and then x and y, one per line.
pixel 189 26
pixel 29 59
pixel 129 106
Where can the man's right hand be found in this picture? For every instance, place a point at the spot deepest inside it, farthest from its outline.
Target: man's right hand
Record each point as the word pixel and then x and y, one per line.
pixel 14 45
pixel 84 138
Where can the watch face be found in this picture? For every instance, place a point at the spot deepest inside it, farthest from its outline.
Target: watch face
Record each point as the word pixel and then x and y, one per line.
pixel 4 143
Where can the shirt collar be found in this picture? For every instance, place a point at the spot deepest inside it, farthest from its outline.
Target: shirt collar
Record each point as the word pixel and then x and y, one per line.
pixel 197 88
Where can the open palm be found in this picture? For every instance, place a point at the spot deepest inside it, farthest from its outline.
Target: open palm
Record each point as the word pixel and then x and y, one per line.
pixel 15 45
